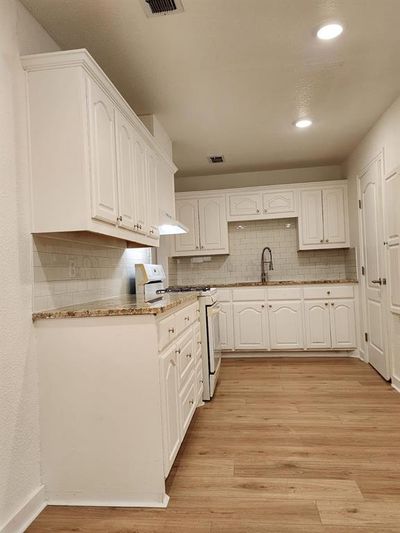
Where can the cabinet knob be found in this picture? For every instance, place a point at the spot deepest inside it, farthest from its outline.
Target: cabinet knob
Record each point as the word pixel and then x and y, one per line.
pixel 326 303
pixel 201 246
pixel 187 317
pixel 178 351
pixel 332 303
pixel 326 240
pixel 171 330
pixel 258 210
pixel 197 247
pixel 119 219
pixel 189 355
pixel 198 342
pixel 322 240
pixel 328 292
pixel 270 306
pixel 262 306
pixel 265 210
pixel 191 402
pixel 151 231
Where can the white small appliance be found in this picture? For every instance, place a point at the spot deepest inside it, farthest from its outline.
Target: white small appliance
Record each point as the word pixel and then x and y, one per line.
pixel 148 280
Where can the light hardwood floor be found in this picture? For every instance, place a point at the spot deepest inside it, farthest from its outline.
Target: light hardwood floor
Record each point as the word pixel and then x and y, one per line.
pixel 287 445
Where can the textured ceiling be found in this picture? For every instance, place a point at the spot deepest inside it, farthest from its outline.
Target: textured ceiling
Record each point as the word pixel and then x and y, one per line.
pixel 230 76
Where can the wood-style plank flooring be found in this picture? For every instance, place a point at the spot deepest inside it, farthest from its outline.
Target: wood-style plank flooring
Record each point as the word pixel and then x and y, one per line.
pixel 287 446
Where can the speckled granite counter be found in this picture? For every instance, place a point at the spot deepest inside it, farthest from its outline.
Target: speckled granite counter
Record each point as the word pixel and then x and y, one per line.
pixel 118 306
pixel 272 283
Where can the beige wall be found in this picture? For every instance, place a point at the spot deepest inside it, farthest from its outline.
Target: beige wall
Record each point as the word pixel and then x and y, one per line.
pixel 19 420
pixel 383 137
pixel 263 177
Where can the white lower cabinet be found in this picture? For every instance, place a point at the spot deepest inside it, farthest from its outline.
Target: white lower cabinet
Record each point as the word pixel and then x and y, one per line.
pixel 343 324
pixel 181 376
pixel 250 325
pixel 286 325
pixel 226 326
pixel 169 377
pixel 318 324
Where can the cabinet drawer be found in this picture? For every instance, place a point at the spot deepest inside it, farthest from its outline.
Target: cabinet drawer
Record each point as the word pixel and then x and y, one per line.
pixel 185 357
pixel 187 398
pixel 186 316
pixel 224 295
pixel 285 293
pixel 328 291
pixel 167 331
pixel 248 295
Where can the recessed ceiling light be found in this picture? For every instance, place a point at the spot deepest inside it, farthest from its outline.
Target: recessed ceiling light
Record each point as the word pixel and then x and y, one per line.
pixel 329 31
pixel 303 123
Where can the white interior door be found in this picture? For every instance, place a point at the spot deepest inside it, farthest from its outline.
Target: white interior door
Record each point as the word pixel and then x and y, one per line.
pixel 392 215
pixel 374 253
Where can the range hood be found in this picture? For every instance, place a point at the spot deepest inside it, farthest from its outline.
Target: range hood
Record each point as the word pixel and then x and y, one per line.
pixel 169 226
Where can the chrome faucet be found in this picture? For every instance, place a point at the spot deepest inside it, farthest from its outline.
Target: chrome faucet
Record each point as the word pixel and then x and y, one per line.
pixel 264 275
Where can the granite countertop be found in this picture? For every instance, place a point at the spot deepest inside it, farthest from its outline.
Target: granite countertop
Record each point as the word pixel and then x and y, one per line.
pixel 118 306
pixel 272 283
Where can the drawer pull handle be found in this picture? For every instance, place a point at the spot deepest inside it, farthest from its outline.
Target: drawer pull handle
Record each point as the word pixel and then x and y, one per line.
pixel 198 342
pixel 171 330
pixel 178 351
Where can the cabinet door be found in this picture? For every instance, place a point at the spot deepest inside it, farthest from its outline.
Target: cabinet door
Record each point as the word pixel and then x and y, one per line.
pixel 392 215
pixel 226 326
pixel 171 417
pixel 126 171
pixel 213 224
pixel 102 154
pixel 279 202
pixel 317 321
pixel 250 325
pixel 286 325
pixel 242 205
pixel 141 200
pixel 311 230
pixel 333 201
pixel 343 324
pixel 187 212
pixel 152 193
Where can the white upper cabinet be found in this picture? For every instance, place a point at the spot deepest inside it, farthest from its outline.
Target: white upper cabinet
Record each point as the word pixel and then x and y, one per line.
pixel 102 151
pixel 286 325
pixel 94 165
pixel 334 209
pixel 187 212
pixel 279 204
pixel 244 205
pixel 261 204
pixel 323 218
pixel 126 171
pixel 205 219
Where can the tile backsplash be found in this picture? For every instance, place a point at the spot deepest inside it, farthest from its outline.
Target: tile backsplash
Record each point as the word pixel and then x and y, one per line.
pixel 246 241
pixel 78 267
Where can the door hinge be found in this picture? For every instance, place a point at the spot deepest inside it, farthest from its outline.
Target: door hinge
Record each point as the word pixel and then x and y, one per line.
pixel 366 336
pixel 359 204
pixel 363 271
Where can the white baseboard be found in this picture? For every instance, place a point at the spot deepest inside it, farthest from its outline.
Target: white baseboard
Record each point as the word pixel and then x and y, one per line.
pixel 299 354
pixel 396 383
pixel 27 513
pixel 108 503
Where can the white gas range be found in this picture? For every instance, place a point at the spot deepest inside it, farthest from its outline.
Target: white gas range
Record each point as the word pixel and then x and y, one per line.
pixel 209 323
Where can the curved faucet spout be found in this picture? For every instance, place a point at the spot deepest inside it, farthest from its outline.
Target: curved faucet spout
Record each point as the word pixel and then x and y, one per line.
pixel 264 273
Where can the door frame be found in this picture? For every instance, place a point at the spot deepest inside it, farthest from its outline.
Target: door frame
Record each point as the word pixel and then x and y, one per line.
pixel 379 158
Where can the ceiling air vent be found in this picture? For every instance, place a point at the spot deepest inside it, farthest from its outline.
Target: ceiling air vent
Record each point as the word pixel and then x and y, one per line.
pixel 154 8
pixel 216 159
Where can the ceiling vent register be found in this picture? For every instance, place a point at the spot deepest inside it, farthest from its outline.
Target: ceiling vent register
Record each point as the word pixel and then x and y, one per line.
pixel 155 8
pixel 216 159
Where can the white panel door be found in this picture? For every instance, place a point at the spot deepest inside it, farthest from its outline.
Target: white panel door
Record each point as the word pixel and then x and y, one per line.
pixel 286 325
pixel 213 224
pixel 243 204
pixel 187 212
pixel 141 201
pixel 334 214
pixel 250 325
pixel 317 324
pixel 374 253
pixel 279 202
pixel 102 155
pixel 126 171
pixel 392 215
pixel 171 418
pixel 152 193
pixel 226 326
pixel 311 227
pixel 343 324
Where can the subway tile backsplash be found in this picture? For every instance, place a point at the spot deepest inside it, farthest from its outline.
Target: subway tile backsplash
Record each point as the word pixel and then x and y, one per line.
pixel 75 268
pixel 246 241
